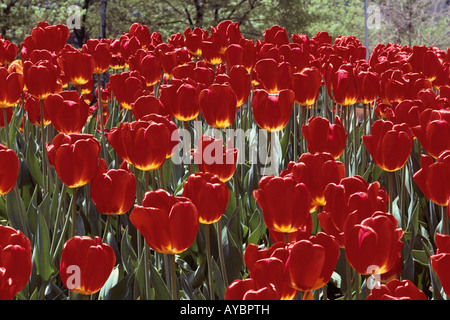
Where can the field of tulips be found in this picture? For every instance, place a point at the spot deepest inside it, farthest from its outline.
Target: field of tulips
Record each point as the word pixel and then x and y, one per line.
pixel 215 167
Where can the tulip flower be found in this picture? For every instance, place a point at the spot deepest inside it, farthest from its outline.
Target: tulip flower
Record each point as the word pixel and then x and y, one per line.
pixel 441 260
pixel 351 194
pixel 247 290
pixel 342 85
pixel 75 158
pixel 45 37
pixel 433 176
pixel 397 290
pixel 240 82
pixel 306 85
pixel 285 203
pixel 144 144
pixel 312 261
pixel 15 262
pixel 8 52
pixel 267 266
pixel 274 76
pixel 68 111
pixel 11 87
pixel 171 126
pixel 77 65
pixel 209 195
pixel 99 49
pixel 433 131
pixel 181 101
pixel 127 87
pixel 272 111
pixel 316 171
pixel 9 169
pixel 40 78
pixel 211 52
pixel 212 156
pixel 194 40
pixel 368 86
pixel 113 191
pixel 374 243
pixel 168 223
pixel 276 35
pixel 148 66
pixel 218 104
pixel 389 145
pixel 146 105
pixel 321 136
pixel 33 111
pixel 86 264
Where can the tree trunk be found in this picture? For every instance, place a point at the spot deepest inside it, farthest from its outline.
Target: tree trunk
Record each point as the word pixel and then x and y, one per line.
pixel 103 18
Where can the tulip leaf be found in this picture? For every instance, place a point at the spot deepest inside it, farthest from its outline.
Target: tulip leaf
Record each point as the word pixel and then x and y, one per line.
pixel 161 290
pixel 14 203
pixel 42 243
pixel 34 165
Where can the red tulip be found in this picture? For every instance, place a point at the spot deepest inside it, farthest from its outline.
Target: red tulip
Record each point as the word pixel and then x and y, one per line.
pixel 15 262
pixel 321 136
pixel 247 290
pixel 127 87
pixel 86 264
pixel 389 145
pixel 144 144
pixel 316 171
pixel 75 158
pixel 285 203
pixel 433 176
pixel 240 82
pixel 433 131
pixel 272 111
pixel 40 78
pixel 312 261
pixel 274 76
pixel 68 111
pixel 211 52
pixel 209 195
pixel 368 86
pixel 181 101
pixel 113 191
pixel 171 126
pixel 212 156
pixel 9 169
pixel 148 66
pixel 267 266
pixel 99 49
pixel 306 85
pixel 375 243
pixel 11 87
pixel 397 290
pixel 194 40
pixel 8 52
pixel 168 223
pixel 77 65
pixel 352 194
pixel 441 260
pixel 45 37
pixel 148 104
pixel 218 104
pixel 342 85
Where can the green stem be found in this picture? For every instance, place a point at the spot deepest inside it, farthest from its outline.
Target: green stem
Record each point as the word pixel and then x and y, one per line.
pixel 295 132
pixel 391 182
pixel 100 109
pixel 43 148
pixel 173 280
pixel 221 255
pixel 209 261
pixel 107 226
pixel 74 212
pixel 348 276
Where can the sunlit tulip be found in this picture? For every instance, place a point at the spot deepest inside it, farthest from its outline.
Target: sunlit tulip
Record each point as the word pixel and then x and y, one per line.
pixel 312 261
pixel 285 203
pixel 8 52
pixel 397 290
pixel 389 145
pixel 218 105
pixel 148 104
pixel 99 49
pixel 9 169
pixel 127 87
pixel 247 289
pixel 11 87
pixel 40 78
pixel 213 156
pixel 75 158
pixel 113 191
pixel 209 195
pixel 374 245
pixel 433 176
pixel 440 261
pixel 272 111
pixel 306 85
pixel 86 264
pixel 77 65
pixel 168 223
pixel 148 66
pixel 322 136
pixel 15 262
pixel 67 111
pixel 181 101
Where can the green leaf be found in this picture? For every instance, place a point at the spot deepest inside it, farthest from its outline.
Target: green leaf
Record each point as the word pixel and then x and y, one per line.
pixel 42 244
pixel 161 290
pixel 34 165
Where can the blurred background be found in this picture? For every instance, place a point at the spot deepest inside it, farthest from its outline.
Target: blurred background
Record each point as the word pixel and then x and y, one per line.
pixel 405 22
